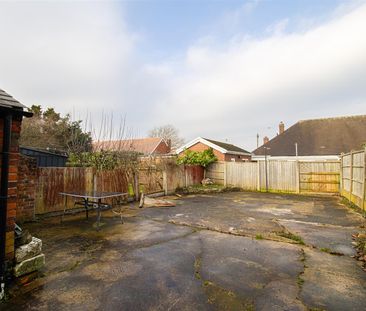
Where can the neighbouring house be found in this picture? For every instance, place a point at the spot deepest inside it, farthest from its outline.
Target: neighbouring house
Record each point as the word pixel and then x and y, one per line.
pixel 323 139
pixel 11 115
pixel 143 146
pixel 223 151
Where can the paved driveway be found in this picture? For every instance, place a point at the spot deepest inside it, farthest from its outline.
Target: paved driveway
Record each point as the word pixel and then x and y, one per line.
pixel 231 251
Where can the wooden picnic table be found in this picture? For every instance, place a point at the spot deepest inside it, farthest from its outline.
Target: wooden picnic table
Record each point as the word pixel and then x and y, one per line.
pixel 91 199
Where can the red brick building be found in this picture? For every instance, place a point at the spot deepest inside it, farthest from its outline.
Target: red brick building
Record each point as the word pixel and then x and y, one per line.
pixel 11 114
pixel 144 146
pixel 223 151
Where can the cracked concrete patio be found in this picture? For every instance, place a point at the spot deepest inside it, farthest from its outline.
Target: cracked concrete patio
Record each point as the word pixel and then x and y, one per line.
pixel 230 251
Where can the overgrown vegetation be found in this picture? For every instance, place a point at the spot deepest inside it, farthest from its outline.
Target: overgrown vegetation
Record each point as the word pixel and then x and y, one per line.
pixel 47 129
pixel 103 160
pixel 203 158
pixel 214 188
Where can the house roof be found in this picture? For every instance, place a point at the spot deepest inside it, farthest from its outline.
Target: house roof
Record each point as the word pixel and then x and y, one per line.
pixel 329 136
pixel 217 145
pixel 9 102
pixel 145 146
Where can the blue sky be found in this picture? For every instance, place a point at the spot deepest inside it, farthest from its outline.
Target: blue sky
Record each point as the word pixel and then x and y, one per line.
pixel 168 27
pixel 225 70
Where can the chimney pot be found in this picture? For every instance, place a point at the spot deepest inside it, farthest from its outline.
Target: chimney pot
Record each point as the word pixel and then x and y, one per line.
pixel 281 128
pixel 265 140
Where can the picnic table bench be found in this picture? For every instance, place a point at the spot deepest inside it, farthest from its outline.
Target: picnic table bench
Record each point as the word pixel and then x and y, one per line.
pixel 91 199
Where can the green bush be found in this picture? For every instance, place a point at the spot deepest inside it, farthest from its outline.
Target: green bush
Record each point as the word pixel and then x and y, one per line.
pixel 204 158
pixel 102 160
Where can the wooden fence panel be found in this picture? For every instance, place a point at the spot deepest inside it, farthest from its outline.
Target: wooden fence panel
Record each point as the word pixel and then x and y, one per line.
pixel 151 180
pixel 54 180
pixel 319 177
pixel 216 172
pixel 358 173
pixel 179 176
pixel 353 177
pixel 282 176
pixel 194 174
pixel 346 172
pixel 243 175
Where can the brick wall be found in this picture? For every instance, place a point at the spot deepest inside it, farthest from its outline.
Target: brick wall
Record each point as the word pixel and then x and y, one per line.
pixel 27 180
pixel 162 148
pixel 201 147
pixel 220 156
pixel 12 187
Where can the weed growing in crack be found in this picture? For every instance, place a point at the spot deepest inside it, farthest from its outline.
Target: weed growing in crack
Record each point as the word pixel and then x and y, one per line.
pixel 300 281
pixel 291 236
pixel 197 267
pixel 259 237
pixel 325 250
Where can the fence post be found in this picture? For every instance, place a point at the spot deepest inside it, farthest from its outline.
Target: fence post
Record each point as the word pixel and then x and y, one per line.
pixel 297 176
pixel 258 176
pixel 165 183
pixel 136 182
pixel 364 181
pixel 185 177
pixel 351 178
pixel 95 180
pixel 341 176
pixel 225 174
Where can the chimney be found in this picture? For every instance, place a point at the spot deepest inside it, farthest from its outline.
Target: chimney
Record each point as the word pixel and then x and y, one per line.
pixel 265 140
pixel 281 128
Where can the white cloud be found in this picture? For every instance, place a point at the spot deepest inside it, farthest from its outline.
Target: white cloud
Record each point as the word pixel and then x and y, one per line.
pixel 235 91
pixel 71 55
pixel 82 56
pixel 278 28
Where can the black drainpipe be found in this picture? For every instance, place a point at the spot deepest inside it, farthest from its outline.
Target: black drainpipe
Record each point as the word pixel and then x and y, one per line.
pixel 7 121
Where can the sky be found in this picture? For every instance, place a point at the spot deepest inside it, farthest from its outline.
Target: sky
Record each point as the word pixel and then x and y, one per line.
pixel 225 70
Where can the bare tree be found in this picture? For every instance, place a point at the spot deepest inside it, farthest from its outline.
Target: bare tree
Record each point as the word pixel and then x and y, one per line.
pixel 168 132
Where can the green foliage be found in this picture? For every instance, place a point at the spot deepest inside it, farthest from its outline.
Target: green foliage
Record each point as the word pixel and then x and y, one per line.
pixel 204 158
pixel 47 129
pixel 103 160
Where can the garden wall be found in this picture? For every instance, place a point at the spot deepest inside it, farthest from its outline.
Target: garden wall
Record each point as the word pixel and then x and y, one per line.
pixel 27 180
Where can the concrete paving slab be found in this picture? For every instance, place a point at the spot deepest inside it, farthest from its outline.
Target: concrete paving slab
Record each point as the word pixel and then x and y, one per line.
pixel 333 282
pixel 259 271
pixel 327 238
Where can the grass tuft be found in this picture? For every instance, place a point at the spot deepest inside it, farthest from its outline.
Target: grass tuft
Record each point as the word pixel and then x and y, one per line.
pixel 259 237
pixel 291 236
